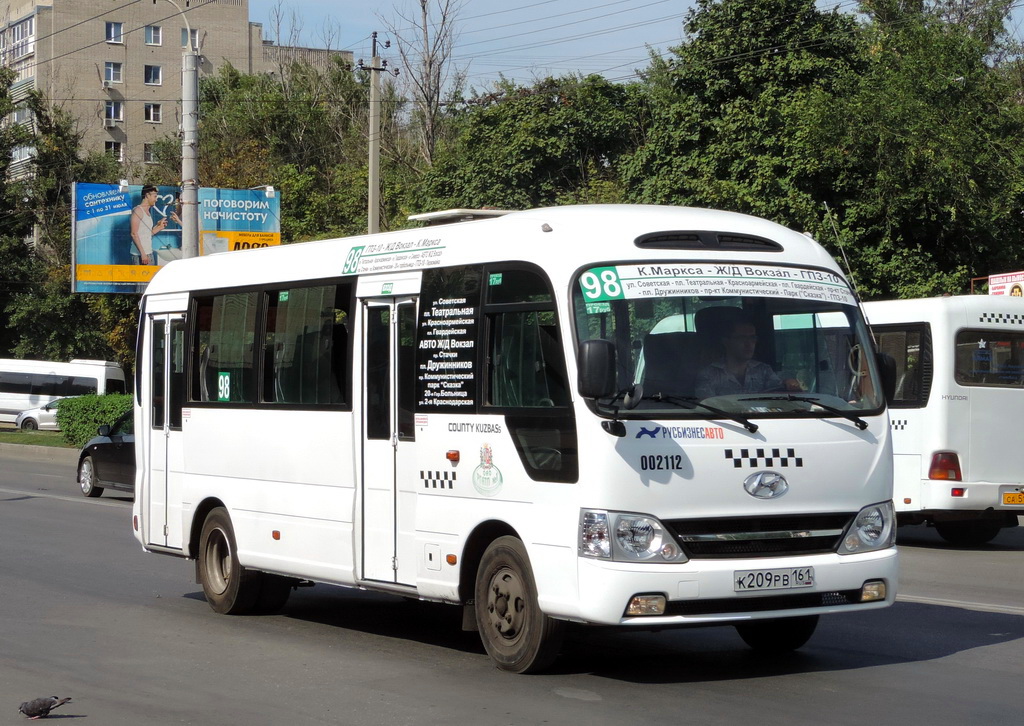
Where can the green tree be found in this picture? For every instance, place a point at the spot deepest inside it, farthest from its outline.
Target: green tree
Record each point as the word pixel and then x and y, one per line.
pixel 730 112
pixel 45 319
pixel 553 143
pixel 930 191
pixel 15 219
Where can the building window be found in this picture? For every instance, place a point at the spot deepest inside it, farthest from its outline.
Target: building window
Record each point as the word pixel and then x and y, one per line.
pixel 195 38
pixel 114 110
pixel 112 72
pixel 154 36
pixel 22 38
pixel 22 153
pixel 21 115
pixel 114 32
pixel 148 154
pixel 114 149
pixel 152 75
pixel 153 113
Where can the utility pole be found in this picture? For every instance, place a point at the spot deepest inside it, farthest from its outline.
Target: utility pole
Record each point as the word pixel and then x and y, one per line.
pixel 189 141
pixel 375 68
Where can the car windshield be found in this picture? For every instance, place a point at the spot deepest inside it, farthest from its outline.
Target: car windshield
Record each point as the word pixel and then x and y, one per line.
pixel 704 340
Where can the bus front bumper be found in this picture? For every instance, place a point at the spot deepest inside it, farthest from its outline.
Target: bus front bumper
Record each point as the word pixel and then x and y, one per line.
pixel 704 591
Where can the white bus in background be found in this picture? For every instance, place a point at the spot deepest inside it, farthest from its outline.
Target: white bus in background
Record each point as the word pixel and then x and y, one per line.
pixel 956 415
pixel 454 414
pixel 26 384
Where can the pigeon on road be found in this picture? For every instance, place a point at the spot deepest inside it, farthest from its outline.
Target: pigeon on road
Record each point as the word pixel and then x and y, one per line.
pixel 41 707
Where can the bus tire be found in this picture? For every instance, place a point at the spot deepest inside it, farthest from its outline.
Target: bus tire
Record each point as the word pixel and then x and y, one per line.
pixel 779 635
pixel 274 593
pixel 229 588
pixel 516 635
pixel 968 534
pixel 87 478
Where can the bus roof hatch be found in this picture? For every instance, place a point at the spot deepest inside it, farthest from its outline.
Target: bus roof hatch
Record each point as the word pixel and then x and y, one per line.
pixel 450 216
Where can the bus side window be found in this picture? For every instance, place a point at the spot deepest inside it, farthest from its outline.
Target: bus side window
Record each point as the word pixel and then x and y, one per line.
pixel 910 347
pixel 525 372
pixel 223 352
pixel 305 347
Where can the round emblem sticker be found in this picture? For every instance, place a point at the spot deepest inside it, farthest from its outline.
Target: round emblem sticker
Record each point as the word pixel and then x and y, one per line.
pixel 487 477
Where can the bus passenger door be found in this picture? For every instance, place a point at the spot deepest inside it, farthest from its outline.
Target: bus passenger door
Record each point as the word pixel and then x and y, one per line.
pixel 389 493
pixel 166 398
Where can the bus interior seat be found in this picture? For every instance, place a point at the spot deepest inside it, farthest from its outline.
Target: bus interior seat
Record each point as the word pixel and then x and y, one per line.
pixel 671 362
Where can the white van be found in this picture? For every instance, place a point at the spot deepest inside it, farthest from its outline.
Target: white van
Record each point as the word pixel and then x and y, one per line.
pixel 26 384
pixel 959 452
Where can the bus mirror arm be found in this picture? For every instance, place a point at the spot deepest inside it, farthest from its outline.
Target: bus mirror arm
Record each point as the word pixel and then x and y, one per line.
pixel 887 370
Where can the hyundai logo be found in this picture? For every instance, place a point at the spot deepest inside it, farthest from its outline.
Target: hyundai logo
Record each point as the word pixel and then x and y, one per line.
pixel 766 485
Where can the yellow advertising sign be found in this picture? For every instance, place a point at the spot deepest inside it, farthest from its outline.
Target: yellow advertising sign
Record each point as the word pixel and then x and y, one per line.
pixel 116 273
pixel 232 241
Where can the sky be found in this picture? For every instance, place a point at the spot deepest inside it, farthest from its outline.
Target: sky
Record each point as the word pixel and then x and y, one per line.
pixel 522 39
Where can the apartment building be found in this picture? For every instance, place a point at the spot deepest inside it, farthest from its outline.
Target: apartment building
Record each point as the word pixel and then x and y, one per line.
pixel 116 64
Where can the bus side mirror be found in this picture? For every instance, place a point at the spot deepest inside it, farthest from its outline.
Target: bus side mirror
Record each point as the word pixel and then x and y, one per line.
pixel 596 360
pixel 887 369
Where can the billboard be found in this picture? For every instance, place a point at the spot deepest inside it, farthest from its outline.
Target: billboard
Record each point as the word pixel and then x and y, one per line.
pixel 1010 283
pixel 120 238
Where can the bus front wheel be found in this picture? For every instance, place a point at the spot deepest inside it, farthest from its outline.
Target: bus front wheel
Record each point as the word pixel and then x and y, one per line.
pixel 516 634
pixel 780 635
pixel 229 588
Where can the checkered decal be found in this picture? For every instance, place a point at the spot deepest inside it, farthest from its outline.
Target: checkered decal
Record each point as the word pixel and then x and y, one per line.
pixel 1004 318
pixel 438 479
pixel 898 424
pixel 756 458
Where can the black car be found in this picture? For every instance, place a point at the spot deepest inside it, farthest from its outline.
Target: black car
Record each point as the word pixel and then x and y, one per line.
pixel 108 460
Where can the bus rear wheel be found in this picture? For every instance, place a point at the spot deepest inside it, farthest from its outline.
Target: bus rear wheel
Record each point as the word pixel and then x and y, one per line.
pixel 229 588
pixel 968 534
pixel 516 635
pixel 779 635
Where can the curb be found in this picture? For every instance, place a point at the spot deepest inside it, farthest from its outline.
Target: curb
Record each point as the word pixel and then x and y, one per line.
pixel 56 454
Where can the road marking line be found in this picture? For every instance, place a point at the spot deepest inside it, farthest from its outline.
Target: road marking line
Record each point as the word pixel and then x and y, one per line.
pixel 963 604
pixel 26 494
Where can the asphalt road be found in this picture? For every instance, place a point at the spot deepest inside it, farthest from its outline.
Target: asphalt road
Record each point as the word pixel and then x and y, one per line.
pixel 128 635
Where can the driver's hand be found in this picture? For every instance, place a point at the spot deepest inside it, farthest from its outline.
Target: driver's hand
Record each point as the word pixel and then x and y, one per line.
pixel 792 384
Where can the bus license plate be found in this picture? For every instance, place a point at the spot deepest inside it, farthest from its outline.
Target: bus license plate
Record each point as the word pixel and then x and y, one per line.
pixel 1013 497
pixel 782 579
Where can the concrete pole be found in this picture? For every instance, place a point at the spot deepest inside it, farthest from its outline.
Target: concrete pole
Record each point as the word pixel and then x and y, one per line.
pixel 373 204
pixel 190 151
pixel 189 142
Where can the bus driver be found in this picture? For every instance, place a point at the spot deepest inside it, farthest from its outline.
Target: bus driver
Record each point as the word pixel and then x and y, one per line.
pixel 736 371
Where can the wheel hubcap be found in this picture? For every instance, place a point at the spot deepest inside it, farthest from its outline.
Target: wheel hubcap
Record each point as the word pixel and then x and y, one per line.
pixel 86 479
pixel 506 604
pixel 218 561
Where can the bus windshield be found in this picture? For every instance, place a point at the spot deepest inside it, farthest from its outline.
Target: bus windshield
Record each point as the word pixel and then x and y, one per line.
pixel 701 340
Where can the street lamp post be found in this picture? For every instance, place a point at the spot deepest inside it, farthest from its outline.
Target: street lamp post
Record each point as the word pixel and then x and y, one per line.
pixel 189 141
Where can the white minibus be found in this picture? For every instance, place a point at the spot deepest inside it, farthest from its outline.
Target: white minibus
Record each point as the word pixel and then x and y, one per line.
pixel 458 413
pixel 959 457
pixel 26 384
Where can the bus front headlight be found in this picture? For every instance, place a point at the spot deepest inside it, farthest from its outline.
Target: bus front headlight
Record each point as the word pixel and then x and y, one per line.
pixel 626 537
pixel 874 528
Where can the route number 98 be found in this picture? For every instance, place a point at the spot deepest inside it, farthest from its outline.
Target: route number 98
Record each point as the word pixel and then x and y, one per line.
pixel 601 283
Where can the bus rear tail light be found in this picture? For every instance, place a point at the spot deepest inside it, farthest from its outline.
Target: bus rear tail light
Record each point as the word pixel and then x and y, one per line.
pixel 945 465
pixel 957 492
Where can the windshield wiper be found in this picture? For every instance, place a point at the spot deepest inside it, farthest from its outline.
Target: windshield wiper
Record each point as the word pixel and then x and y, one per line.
pixel 694 402
pixel 849 415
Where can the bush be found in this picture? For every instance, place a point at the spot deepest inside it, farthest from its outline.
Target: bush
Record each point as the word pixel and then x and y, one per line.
pixel 80 416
